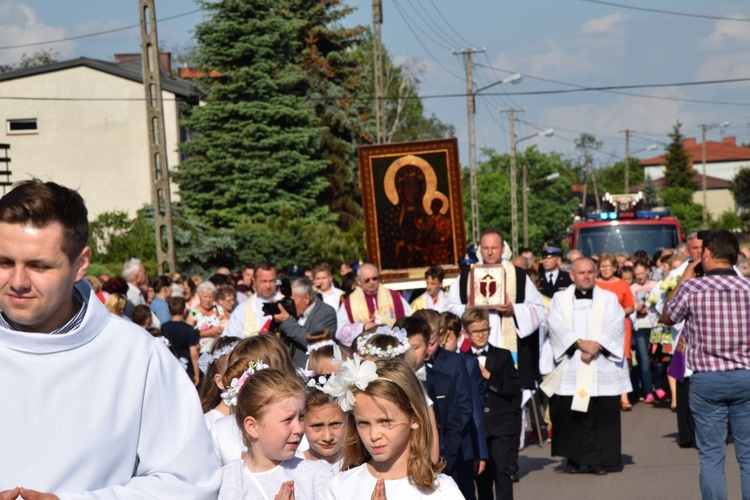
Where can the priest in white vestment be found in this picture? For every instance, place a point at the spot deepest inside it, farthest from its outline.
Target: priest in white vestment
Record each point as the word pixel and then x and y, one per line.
pixel 586 330
pixel 248 318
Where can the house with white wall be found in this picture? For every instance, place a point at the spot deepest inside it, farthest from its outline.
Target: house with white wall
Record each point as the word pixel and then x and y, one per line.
pixel 82 123
pixel 723 161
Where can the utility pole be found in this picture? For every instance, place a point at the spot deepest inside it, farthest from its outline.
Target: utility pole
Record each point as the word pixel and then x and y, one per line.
pixel 470 103
pixel 377 56
pixel 513 183
pixel 160 195
pixel 627 160
pixel 704 185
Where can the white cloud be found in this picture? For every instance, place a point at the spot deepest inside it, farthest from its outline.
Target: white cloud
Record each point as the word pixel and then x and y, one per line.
pixel 726 65
pixel 19 25
pixel 727 33
pixel 611 24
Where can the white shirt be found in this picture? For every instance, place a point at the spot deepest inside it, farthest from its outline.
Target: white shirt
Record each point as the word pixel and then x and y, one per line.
pixel 236 324
pixel 333 297
pixel 107 395
pixel 358 483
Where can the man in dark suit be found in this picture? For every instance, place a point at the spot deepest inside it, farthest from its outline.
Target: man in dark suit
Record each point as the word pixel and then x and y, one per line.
pixel 551 278
pixel 502 406
pixel 313 315
pixel 451 402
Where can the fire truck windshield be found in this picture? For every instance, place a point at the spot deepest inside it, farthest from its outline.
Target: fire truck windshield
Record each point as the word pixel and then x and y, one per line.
pixel 627 238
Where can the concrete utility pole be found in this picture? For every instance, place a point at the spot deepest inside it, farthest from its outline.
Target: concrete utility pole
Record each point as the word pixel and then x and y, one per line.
pixel 627 160
pixel 471 106
pixel 160 194
pixel 377 60
pixel 513 183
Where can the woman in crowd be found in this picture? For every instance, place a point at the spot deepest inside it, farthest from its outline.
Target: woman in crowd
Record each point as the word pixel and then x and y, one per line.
pixel 608 280
pixel 207 317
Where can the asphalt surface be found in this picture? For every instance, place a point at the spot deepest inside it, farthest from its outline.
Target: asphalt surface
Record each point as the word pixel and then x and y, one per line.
pixel 654 467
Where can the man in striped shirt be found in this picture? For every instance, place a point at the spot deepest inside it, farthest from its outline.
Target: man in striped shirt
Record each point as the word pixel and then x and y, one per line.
pixel 716 310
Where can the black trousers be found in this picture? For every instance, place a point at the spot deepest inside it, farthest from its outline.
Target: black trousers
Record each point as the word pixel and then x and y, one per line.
pixel 685 423
pixel 503 462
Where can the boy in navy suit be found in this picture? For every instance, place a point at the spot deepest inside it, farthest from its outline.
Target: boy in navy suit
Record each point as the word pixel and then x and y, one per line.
pixel 502 406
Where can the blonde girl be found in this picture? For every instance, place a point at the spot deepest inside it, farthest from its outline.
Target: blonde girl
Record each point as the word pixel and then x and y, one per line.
pixel 387 450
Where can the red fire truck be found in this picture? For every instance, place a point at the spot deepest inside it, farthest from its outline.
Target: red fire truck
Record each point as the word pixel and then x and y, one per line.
pixel 624 226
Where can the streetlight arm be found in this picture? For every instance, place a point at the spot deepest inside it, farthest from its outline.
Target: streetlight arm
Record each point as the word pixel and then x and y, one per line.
pixel 514 79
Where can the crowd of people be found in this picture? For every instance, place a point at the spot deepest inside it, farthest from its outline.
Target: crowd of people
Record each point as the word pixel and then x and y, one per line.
pixel 312 388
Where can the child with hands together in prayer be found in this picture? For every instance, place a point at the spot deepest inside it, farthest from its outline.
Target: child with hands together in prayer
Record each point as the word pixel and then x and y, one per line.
pixel 270 411
pixel 388 439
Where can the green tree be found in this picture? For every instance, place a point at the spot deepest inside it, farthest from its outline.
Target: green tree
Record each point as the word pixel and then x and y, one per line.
pixel 334 77
pixel 255 140
pixel 611 179
pixel 550 204
pixel 678 173
pixel 690 215
pixel 650 192
pixel 39 58
pixel 740 187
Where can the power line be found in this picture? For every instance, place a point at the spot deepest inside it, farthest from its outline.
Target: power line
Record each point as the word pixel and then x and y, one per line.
pixel 90 35
pixel 423 45
pixel 670 12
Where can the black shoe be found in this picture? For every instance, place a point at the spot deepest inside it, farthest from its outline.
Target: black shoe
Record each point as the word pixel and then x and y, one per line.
pixel 514 477
pixel 572 467
pixel 598 470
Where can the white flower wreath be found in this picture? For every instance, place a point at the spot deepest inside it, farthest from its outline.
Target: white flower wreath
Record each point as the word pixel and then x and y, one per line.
pixel 388 353
pixel 229 397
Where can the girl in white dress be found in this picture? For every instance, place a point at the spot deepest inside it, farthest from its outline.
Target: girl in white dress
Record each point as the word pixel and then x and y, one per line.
pixel 226 436
pixel 325 426
pixel 388 439
pixel 270 412
pixel 213 365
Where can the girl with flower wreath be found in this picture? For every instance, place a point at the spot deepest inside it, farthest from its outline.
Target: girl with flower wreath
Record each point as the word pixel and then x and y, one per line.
pixel 213 365
pixel 226 436
pixel 270 410
pixel 388 439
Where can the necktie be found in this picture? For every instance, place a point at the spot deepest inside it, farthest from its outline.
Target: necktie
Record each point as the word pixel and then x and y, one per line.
pixel 549 278
pixel 479 353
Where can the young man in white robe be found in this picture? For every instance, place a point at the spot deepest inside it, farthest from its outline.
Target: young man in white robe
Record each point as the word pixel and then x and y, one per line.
pixel 95 406
pixel 586 330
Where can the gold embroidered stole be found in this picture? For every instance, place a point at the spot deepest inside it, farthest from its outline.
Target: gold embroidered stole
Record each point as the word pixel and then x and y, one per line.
pixel 385 311
pixel 250 325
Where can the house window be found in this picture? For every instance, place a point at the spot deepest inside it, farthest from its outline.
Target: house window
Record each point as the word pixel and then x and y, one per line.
pixel 22 126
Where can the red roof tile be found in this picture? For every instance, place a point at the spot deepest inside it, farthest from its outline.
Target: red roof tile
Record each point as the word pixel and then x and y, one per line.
pixel 716 152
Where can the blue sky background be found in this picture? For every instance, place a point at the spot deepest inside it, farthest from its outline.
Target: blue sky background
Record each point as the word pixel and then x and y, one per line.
pixel 566 42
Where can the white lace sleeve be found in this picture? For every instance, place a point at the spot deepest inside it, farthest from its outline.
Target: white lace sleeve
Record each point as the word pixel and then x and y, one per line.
pixel 231 481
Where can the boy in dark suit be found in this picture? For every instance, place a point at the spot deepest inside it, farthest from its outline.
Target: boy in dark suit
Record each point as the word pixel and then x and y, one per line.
pixel 502 406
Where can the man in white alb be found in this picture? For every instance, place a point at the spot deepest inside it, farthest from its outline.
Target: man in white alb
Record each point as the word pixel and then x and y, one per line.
pixel 94 406
pixel 248 319
pixel 586 330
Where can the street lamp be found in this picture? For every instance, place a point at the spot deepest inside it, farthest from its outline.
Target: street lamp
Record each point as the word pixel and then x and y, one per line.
pixel 471 94
pixel 705 127
pixel 513 201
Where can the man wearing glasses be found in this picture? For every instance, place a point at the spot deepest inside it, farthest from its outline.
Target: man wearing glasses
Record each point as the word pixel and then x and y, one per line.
pixel 368 305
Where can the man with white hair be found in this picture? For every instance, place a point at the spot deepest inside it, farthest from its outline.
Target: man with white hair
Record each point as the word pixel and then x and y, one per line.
pixel 134 274
pixel 313 315
pixel 368 305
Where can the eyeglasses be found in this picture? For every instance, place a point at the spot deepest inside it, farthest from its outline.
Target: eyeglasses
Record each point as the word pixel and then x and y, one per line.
pixel 368 280
pixel 479 333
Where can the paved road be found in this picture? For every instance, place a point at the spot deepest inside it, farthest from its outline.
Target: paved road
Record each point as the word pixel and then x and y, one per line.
pixel 654 467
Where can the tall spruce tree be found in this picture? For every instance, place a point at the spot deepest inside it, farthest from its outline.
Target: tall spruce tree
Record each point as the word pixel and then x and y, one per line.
pixel 254 145
pixel 334 76
pixel 678 172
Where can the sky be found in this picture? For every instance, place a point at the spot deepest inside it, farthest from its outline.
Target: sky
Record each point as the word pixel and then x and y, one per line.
pixel 557 45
